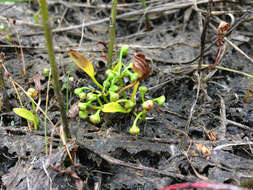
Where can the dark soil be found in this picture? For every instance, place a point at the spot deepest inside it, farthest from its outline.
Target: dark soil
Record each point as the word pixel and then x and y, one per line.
pixel 203 132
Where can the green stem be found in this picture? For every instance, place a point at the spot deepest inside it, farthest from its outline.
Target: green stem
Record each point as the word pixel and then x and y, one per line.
pixel 96 82
pixel 137 118
pixel 36 123
pixel 112 32
pixel 144 5
pixel 135 90
pixel 54 69
pixel 45 119
pixel 67 90
pixel 230 70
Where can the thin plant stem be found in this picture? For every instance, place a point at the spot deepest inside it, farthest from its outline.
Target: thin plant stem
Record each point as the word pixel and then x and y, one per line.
pixel 67 88
pixel 54 70
pixel 35 116
pixel 203 34
pixel 45 119
pixel 2 84
pixel 112 32
pixel 148 26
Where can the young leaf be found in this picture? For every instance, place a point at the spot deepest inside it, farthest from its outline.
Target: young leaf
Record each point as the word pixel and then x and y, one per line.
pixel 113 107
pixel 24 113
pixel 82 62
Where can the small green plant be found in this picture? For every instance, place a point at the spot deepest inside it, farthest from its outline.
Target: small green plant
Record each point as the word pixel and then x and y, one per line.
pixel 111 96
pixel 26 114
pixel 5 33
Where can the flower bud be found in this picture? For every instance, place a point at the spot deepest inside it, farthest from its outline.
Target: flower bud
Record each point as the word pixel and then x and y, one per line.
pixel 95 118
pixel 134 130
pixel 114 88
pixel 147 105
pixel 143 90
pixel 2 27
pixel 46 71
pixel 78 91
pixel 124 50
pixel 109 74
pixel 161 100
pixel 129 104
pixel 91 96
pixel 106 84
pixel 82 95
pixel 32 92
pixel 114 96
pixel 83 114
pixel 82 106
pixel 134 77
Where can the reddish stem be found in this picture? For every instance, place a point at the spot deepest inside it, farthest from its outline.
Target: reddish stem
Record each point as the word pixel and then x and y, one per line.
pixel 203 185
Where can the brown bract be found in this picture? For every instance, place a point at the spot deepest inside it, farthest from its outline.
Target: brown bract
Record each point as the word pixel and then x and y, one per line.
pixel 223 28
pixel 140 66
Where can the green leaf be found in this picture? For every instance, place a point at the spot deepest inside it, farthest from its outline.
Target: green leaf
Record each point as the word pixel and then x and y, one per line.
pixel 113 107
pixel 24 113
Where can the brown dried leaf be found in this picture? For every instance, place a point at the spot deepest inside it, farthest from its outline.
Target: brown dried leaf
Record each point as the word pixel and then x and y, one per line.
pixel 223 28
pixel 140 66
pixel 203 150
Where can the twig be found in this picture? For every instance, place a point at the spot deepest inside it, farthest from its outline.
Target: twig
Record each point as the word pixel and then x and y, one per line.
pixel 203 34
pixel 164 7
pixel 115 161
pixel 203 185
pixel 232 144
pixel 187 126
pixel 223 120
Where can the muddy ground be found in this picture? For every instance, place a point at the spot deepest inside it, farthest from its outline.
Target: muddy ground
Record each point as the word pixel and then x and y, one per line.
pixel 203 132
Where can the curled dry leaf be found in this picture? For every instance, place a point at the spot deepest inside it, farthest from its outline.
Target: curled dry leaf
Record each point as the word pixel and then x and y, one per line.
pixel 140 66
pixel 211 135
pixel 203 150
pixel 223 28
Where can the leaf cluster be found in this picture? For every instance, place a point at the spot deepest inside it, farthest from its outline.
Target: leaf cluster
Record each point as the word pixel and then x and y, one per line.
pixel 111 96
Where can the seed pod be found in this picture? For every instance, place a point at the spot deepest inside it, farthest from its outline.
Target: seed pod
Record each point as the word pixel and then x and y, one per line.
pixel 124 50
pixel 78 91
pixel 46 71
pixel 147 105
pixel 83 114
pixel 161 100
pixel 82 106
pixel 95 118
pixel 32 92
pixel 140 66
pixel 134 130
pixel 82 95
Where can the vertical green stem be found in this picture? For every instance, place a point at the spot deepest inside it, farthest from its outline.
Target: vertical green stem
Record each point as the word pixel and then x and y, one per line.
pixel 54 70
pixel 2 85
pixel 112 32
pixel 67 88
pixel 36 123
pixel 144 5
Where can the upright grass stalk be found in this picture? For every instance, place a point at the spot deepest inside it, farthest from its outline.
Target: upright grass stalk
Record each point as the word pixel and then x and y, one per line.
pixel 2 85
pixel 51 56
pixel 148 25
pixel 112 32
